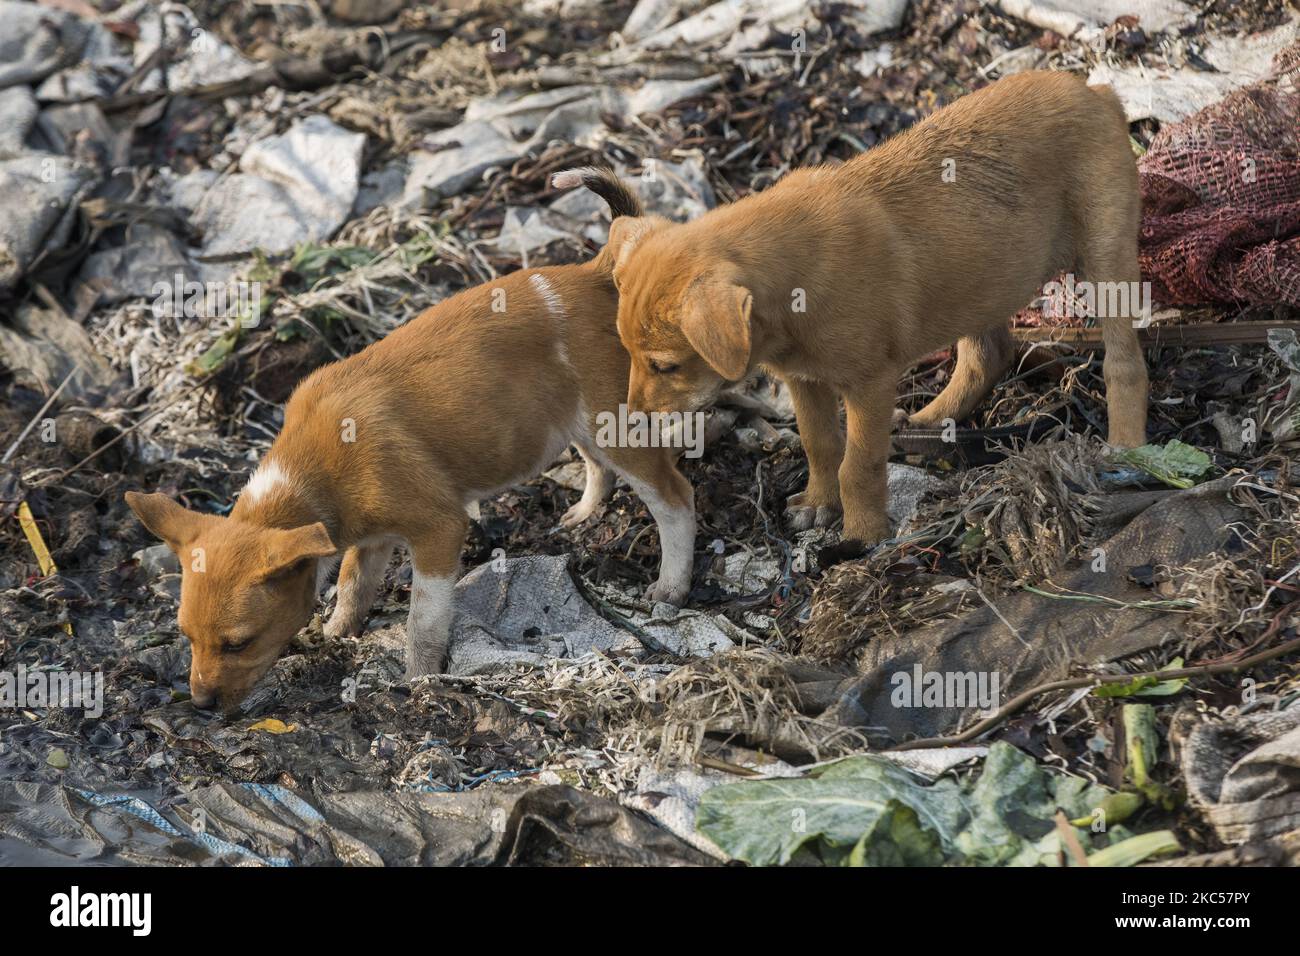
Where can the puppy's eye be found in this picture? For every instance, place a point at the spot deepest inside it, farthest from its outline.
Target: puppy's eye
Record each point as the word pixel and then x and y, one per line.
pixel 663 368
pixel 235 646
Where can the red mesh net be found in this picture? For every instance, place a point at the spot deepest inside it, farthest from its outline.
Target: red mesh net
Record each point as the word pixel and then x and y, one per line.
pixel 1221 198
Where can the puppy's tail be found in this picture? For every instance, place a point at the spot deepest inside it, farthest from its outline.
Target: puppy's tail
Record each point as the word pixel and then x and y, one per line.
pixel 622 201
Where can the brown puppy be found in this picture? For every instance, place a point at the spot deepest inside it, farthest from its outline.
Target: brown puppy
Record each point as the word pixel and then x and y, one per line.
pixel 393 444
pixel 838 278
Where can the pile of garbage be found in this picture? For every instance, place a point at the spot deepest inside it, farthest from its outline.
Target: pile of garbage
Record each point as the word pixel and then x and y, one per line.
pixel 1063 656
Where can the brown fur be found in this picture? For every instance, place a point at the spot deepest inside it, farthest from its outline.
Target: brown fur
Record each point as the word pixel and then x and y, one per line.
pixel 895 263
pixel 457 404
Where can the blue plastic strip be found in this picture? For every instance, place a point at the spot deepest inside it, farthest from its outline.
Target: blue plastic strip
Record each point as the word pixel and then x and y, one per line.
pixel 140 809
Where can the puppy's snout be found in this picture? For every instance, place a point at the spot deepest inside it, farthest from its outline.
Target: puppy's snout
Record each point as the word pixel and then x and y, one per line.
pixel 202 697
pixel 636 399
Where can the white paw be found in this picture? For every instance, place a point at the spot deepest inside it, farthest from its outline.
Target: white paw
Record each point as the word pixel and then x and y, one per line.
pixel 578 514
pixel 668 592
pixel 424 664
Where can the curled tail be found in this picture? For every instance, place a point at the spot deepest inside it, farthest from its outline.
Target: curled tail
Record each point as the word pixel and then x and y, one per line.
pixel 622 201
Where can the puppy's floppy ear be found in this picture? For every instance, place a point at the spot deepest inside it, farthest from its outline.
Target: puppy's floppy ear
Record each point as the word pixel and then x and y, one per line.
pixel 624 234
pixel 176 525
pixel 286 547
pixel 716 321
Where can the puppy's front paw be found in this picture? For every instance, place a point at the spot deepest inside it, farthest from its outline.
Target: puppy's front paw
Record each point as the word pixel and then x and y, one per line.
pixel 898 420
pixel 579 513
pixel 1121 438
pixel 867 529
pixel 419 668
pixel 667 592
pixel 802 512
pixel 344 624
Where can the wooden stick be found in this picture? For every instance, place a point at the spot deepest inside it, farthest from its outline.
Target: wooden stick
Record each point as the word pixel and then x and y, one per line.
pixel 1195 334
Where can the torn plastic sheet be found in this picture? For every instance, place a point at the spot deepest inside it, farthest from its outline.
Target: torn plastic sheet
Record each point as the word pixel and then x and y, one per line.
pixel 142 810
pixel 1170 95
pixel 101 69
pixel 38 40
pixel 907 485
pixel 526 610
pixel 270 825
pixel 302 183
pixel 498 130
pixel 650 16
pixel 672 797
pixel 1085 19
pixel 748 573
pixel 151 255
pixel 42 348
pixel 1243 772
pixel 1026 638
pixel 745 24
pixel 40 193
pixel 524 230
pixel 199 57
pixel 18 112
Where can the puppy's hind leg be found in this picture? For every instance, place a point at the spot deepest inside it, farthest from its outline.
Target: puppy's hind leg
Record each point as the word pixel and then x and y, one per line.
pixel 1110 263
pixel 360 577
pixel 600 485
pixel 981 360
pixel 653 475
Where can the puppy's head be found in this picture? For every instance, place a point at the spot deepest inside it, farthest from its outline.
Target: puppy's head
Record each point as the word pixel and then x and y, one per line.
pixel 683 317
pixel 246 591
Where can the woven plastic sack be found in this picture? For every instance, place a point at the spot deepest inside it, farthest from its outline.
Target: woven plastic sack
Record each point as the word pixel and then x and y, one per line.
pixel 1221 198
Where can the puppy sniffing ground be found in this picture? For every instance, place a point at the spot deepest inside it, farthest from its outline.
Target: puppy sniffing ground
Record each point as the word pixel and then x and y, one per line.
pixel 391 446
pixel 839 278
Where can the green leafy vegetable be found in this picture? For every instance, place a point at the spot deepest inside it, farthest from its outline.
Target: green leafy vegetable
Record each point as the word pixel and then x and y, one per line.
pixel 868 811
pixel 1144 686
pixel 1174 463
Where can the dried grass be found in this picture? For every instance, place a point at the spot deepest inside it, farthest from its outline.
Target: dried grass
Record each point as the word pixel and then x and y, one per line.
pixel 638 714
pixel 1009 523
pixel 1244 595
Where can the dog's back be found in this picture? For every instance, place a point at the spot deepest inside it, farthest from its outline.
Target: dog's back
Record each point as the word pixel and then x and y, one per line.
pixel 971 210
